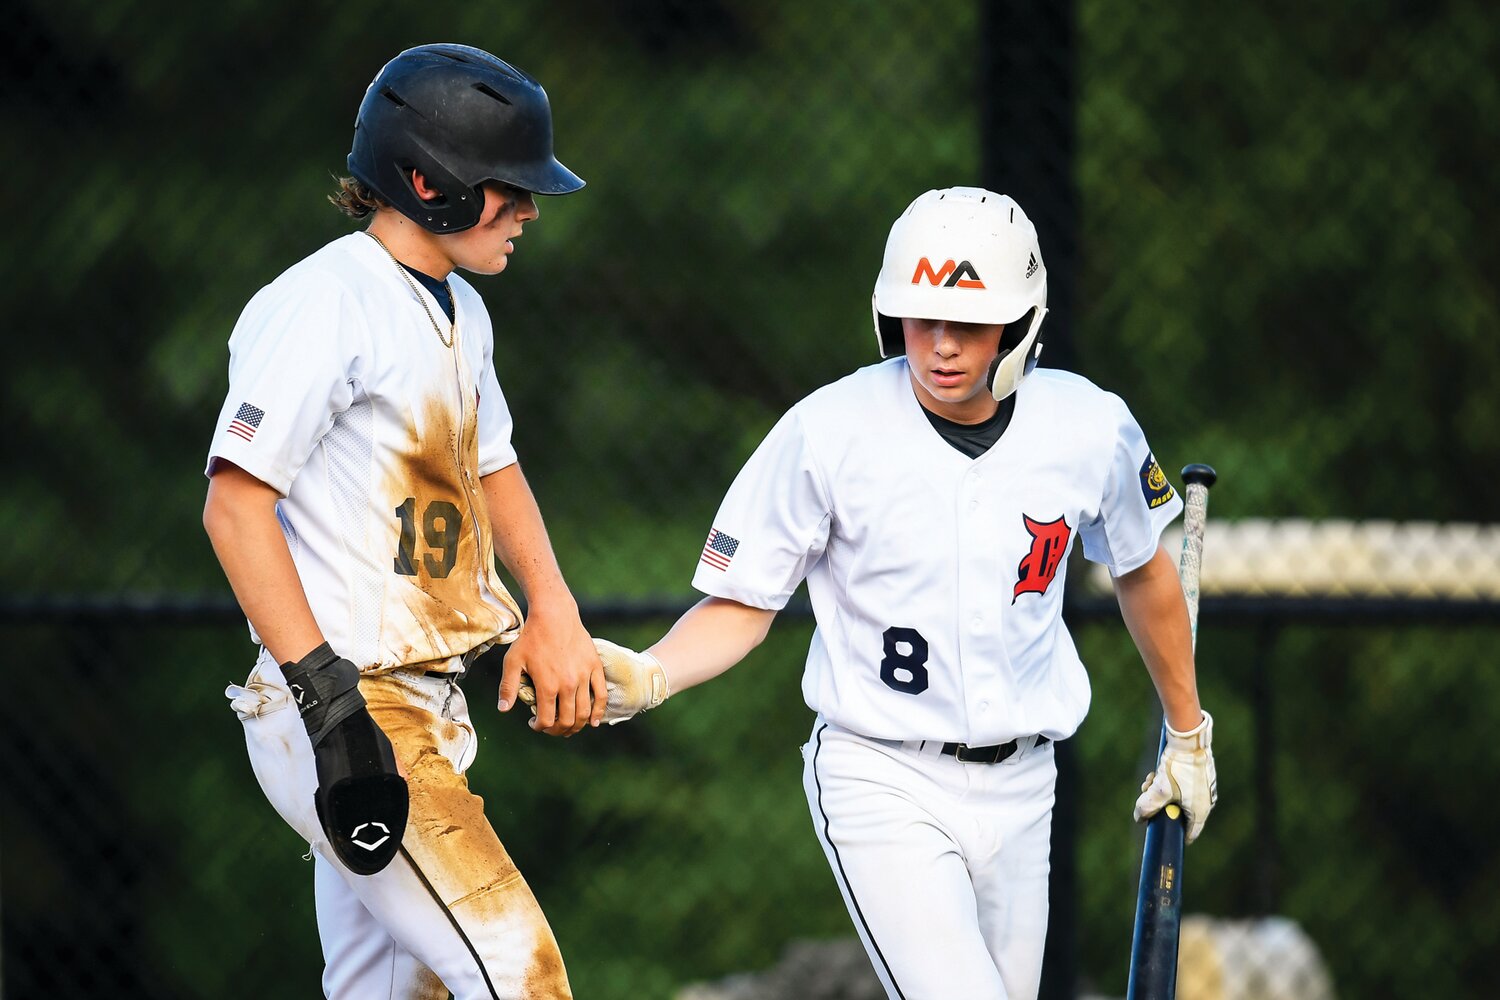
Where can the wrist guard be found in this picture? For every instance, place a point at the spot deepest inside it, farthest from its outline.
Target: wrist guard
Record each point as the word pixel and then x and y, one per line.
pixel 325 689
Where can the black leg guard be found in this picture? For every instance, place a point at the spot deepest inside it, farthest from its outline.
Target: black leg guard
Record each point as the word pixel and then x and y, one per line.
pixel 361 798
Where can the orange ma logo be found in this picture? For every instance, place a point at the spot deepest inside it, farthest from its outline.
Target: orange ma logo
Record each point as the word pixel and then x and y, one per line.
pixel 953 275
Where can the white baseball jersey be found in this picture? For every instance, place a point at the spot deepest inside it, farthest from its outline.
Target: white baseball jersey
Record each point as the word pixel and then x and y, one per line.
pixel 937 580
pixel 343 398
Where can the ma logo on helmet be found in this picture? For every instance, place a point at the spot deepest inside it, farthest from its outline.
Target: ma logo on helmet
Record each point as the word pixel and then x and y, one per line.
pixel 952 275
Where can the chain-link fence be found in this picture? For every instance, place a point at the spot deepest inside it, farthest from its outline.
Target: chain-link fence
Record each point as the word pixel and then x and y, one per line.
pixel 141 859
pixel 1265 225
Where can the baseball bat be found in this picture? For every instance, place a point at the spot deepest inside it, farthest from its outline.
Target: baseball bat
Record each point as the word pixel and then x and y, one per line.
pixel 1158 902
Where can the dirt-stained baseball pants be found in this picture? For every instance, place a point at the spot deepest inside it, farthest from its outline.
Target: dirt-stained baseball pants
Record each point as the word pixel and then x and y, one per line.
pixel 451 912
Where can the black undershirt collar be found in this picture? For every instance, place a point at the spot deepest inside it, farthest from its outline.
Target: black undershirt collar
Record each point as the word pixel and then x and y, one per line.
pixel 974 440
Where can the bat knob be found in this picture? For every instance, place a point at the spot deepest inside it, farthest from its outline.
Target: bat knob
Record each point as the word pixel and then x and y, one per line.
pixel 1199 473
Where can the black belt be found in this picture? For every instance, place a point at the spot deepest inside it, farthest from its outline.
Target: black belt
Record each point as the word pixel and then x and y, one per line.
pixel 456 675
pixel 985 755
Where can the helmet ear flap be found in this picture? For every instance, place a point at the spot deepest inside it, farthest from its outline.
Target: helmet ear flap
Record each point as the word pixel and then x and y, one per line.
pixel 892 338
pixel 1020 346
pixel 889 338
pixel 1016 331
pixel 457 207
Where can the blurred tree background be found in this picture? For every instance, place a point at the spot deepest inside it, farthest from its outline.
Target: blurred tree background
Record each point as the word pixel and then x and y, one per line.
pixel 1281 266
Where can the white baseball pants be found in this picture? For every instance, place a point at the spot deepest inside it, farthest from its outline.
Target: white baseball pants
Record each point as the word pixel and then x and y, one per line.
pixel 451 912
pixel 943 865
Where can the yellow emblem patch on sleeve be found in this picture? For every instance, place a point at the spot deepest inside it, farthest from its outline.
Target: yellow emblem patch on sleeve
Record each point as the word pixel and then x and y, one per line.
pixel 1154 485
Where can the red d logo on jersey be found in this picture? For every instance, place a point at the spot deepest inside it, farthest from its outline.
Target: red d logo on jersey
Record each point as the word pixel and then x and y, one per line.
pixel 951 276
pixel 1039 568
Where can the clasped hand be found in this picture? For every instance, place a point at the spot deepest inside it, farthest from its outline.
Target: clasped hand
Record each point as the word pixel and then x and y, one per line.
pixel 634 681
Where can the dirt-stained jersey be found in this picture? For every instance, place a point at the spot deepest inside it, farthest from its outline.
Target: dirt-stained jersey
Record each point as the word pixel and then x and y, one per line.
pixel 937 580
pixel 343 398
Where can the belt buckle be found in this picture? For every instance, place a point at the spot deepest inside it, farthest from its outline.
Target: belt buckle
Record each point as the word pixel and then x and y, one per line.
pixel 965 754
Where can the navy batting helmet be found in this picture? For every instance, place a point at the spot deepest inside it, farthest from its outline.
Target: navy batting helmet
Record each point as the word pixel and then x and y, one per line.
pixel 461 117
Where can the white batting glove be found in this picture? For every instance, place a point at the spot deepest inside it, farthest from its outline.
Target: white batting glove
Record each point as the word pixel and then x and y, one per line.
pixel 1185 774
pixel 636 682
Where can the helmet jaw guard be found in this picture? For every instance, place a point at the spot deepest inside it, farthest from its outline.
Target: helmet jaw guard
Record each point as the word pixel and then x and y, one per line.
pixel 1015 362
pixel 461 117
pixel 967 255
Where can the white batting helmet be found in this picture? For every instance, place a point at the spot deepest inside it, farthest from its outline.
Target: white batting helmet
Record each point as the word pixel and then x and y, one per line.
pixel 968 255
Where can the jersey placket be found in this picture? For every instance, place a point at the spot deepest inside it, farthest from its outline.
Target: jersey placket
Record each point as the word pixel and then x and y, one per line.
pixel 466 474
pixel 982 665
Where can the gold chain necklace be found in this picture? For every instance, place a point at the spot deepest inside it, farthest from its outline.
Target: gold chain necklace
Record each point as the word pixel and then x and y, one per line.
pixel 453 327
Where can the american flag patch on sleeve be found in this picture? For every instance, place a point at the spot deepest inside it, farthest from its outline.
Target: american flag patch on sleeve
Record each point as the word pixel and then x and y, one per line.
pixel 719 549
pixel 245 421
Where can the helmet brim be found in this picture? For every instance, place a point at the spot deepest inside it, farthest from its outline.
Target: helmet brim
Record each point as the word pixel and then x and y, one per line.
pixel 549 179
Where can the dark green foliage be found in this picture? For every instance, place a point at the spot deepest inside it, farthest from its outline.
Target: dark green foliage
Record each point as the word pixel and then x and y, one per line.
pixel 1283 212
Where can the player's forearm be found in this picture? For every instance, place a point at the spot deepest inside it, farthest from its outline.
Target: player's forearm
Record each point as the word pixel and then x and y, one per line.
pixel 711 637
pixel 522 544
pixel 240 518
pixel 1155 612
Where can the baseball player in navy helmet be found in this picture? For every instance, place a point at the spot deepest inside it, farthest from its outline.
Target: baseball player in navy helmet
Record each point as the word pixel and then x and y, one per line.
pixel 930 502
pixel 362 482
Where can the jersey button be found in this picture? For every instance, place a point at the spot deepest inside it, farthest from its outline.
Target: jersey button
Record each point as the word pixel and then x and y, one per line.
pixel 977 625
pixel 984 706
pixel 973 504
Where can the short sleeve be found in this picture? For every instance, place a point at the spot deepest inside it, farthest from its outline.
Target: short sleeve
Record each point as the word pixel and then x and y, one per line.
pixel 1137 503
pixel 495 448
pixel 773 523
pixel 291 370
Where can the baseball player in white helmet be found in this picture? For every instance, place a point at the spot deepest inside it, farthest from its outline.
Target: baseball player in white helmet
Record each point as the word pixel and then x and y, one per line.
pixel 930 502
pixel 362 481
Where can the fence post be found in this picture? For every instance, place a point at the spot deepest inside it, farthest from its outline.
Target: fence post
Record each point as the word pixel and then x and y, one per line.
pixel 1025 107
pixel 1027 139
pixel 1060 954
